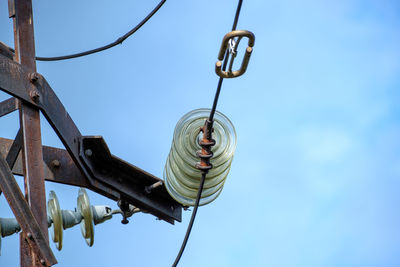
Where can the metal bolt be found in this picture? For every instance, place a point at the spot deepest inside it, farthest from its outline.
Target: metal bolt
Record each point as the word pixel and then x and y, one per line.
pixel 29 235
pixel 88 152
pixel 34 76
pixel 34 94
pixel 150 188
pixel 55 164
pixel 147 189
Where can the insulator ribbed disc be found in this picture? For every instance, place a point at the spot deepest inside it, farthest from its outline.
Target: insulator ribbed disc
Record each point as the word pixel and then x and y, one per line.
pixel 85 209
pixel 54 211
pixel 182 179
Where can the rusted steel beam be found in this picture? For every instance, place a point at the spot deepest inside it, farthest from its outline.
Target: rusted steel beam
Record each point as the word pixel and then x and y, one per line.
pixel 69 134
pixel 72 139
pixel 5 51
pixel 36 239
pixel 58 165
pixel 7 106
pixel 14 149
pixel 128 179
pixel 15 81
pixel 31 132
pixel 60 168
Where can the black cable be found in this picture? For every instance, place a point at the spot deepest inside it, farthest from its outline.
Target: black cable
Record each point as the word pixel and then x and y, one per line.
pixel 216 97
pixel 189 229
pixel 105 47
pixel 214 106
pixel 210 120
pixel 235 22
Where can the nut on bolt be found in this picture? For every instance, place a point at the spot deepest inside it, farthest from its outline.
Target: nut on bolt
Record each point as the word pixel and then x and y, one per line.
pixel 124 220
pixel 55 164
pixel 34 94
pixel 34 76
pixel 88 152
pixel 29 235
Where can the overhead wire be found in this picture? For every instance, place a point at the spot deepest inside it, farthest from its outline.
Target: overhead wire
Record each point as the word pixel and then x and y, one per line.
pixel 210 120
pixel 214 106
pixel 105 47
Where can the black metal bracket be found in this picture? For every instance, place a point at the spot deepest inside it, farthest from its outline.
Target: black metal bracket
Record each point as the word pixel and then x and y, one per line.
pixel 130 181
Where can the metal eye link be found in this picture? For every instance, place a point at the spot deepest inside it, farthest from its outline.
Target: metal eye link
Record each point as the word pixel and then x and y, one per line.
pixel 229 43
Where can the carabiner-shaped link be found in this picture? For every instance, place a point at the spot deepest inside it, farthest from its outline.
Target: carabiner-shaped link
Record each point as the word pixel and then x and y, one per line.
pixel 225 46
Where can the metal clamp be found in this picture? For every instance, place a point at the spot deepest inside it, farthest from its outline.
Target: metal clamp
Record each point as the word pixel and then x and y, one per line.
pixel 205 154
pixel 225 45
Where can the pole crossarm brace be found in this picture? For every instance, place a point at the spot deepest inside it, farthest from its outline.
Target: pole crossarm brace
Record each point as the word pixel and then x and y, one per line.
pixel 14 150
pixel 103 172
pixel 58 165
pixel 8 106
pixel 34 235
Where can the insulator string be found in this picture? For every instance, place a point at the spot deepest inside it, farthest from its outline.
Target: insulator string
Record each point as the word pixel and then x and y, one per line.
pixel 208 134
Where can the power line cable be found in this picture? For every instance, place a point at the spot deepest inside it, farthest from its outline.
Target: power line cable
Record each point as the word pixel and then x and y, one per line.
pixel 105 47
pixel 192 218
pixel 209 124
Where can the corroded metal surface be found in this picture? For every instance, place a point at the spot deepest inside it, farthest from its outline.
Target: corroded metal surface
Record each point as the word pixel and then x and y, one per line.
pixel 13 77
pixel 33 234
pixel 126 178
pixel 7 106
pixel 86 162
pixel 31 135
pixel 58 165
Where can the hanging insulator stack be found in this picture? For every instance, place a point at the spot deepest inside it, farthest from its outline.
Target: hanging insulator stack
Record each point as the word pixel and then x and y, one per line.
pixel 182 173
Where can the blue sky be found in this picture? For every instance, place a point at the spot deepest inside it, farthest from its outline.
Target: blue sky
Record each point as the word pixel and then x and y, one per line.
pixel 315 179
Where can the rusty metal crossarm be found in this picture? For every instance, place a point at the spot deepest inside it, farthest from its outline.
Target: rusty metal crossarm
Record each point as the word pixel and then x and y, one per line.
pixel 15 76
pixel 8 106
pixel 5 51
pixel 59 167
pixel 32 88
pixel 35 237
pixel 12 153
pixel 14 150
pixel 128 179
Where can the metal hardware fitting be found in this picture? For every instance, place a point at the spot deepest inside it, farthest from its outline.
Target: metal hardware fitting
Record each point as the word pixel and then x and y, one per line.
pixel 232 46
pixel 206 143
pixel 150 188
pixel 126 210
